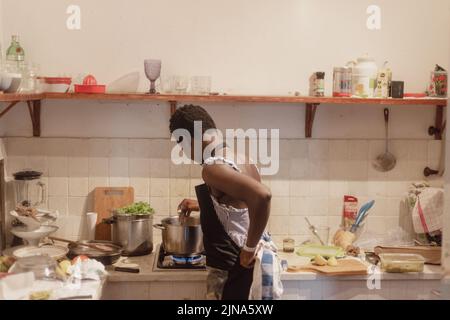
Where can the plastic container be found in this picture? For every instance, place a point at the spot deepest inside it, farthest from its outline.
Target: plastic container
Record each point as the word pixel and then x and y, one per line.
pixel 55 84
pixel 364 74
pixel 401 262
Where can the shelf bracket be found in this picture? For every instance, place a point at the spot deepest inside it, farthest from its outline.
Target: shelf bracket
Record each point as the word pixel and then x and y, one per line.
pixel 173 107
pixel 310 112
pixel 34 109
pixel 438 127
pixel 9 107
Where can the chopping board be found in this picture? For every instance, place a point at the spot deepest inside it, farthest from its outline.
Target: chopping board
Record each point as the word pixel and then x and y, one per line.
pixel 106 200
pixel 345 267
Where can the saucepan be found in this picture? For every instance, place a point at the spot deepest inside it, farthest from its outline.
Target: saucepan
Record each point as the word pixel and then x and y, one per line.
pixel 181 238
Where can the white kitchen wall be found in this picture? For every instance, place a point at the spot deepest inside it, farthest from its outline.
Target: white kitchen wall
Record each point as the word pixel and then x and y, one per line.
pixel 313 178
pixel 262 47
pixel 251 47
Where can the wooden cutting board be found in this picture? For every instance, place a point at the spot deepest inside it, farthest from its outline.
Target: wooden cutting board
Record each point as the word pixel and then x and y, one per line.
pixel 106 200
pixel 345 267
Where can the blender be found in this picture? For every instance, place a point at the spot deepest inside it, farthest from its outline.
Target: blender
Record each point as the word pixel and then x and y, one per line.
pixel 29 189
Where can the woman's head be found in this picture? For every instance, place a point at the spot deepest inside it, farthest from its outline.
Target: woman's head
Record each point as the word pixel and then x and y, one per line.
pixel 185 117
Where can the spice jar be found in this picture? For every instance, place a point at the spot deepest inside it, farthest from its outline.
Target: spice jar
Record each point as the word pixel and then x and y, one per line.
pixel 319 84
pixel 288 245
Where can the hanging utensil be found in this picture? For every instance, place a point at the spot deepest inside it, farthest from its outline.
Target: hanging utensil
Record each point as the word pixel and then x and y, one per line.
pixel 314 231
pixel 386 161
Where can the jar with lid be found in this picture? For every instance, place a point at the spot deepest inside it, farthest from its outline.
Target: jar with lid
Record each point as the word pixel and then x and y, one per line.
pixel 319 84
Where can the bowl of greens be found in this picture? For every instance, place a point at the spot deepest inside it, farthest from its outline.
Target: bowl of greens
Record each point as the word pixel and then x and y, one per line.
pixel 140 208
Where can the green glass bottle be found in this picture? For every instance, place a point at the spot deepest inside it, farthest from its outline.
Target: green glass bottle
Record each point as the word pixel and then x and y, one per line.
pixel 15 52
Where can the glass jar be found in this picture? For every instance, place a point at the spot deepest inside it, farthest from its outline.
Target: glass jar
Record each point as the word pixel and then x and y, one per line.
pixel 438 84
pixel 288 245
pixel 319 84
pixel 43 267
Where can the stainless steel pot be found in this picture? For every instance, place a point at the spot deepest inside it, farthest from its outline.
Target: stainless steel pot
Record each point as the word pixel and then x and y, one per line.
pixel 133 232
pixel 181 239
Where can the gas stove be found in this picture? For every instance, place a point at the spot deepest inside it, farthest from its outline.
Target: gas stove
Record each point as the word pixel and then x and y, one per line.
pixel 165 262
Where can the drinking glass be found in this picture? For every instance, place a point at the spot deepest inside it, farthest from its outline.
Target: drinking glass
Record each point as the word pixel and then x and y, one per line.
pixel 324 233
pixel 180 84
pixel 201 85
pixel 152 71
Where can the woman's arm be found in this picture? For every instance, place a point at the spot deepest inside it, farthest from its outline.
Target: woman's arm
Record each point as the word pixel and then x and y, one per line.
pixel 239 186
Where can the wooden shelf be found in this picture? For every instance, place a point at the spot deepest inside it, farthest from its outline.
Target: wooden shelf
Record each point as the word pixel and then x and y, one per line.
pixel 311 103
pixel 240 98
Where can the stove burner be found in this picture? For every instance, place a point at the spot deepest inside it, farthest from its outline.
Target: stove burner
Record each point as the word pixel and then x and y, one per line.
pixel 187 260
pixel 167 261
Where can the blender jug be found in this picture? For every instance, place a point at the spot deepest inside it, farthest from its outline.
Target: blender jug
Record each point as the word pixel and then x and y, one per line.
pixel 29 190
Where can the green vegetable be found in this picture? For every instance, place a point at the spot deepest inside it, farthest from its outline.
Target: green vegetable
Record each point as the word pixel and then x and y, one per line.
pixel 138 208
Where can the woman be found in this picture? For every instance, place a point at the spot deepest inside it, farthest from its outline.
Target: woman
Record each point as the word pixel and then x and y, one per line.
pixel 234 204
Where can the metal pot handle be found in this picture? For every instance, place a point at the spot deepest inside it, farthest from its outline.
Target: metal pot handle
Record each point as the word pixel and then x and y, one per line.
pixel 159 226
pixel 109 220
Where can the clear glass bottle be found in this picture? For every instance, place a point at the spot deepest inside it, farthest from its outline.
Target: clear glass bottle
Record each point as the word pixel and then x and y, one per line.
pixel 15 52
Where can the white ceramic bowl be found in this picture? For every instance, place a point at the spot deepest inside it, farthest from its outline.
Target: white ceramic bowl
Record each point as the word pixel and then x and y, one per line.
pixel 33 237
pixel 10 82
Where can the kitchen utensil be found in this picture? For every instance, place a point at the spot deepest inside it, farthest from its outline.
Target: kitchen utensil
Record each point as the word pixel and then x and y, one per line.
pixel 89 86
pixel 311 250
pixel 55 252
pixel 106 200
pixel 43 267
pixel 401 262
pixel 29 189
pixel 81 297
pixel 33 237
pixel 314 231
pixel 91 220
pixel 75 249
pixel 93 246
pixel 345 267
pixel 362 214
pixel 386 161
pixel 130 270
pixel 133 232
pixel 182 239
pixel 152 71
pixel 431 254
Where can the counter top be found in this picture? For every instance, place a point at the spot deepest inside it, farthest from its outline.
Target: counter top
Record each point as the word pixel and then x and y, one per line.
pixel 147 273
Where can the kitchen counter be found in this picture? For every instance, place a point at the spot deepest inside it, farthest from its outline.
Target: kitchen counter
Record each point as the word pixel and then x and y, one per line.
pixel 431 272
pixel 190 284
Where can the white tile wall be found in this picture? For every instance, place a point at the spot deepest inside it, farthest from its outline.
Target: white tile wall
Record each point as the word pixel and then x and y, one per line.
pixel 313 178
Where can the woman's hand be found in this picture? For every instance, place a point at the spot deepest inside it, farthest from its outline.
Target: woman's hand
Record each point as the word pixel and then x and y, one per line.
pixel 247 259
pixel 186 207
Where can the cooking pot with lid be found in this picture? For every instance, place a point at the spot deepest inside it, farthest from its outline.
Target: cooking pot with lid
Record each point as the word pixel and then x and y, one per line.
pixel 133 232
pixel 182 238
